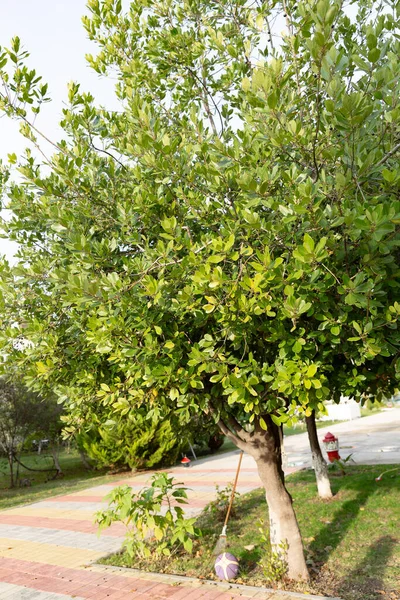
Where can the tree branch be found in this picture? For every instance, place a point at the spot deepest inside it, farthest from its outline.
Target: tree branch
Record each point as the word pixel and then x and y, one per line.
pixel 388 155
pixel 205 94
pixel 231 436
pixel 238 429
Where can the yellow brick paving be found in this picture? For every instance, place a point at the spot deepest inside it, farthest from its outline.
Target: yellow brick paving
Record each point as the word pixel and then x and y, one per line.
pixel 46 553
pixel 53 513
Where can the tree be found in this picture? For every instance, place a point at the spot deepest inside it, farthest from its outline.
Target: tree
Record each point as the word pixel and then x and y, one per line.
pixel 227 241
pixel 22 413
pixel 319 463
pixel 49 425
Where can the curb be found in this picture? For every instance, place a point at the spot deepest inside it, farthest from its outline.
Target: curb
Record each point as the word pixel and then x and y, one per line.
pixel 248 591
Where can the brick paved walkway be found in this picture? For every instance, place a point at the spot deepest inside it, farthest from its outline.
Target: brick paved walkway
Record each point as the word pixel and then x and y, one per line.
pixel 48 549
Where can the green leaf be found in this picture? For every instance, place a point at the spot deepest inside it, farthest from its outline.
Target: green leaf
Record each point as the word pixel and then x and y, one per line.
pixel 246 84
pixel 297 347
pixel 308 243
pixel 374 55
pixel 59 228
pixel 277 420
pixel 208 308
pixel 229 243
pixel 312 369
pixel 216 258
pixel 169 225
pixel 263 424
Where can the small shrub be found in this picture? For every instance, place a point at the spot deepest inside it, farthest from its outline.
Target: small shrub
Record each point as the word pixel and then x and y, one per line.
pixel 149 532
pixel 134 442
pixel 219 506
pixel 273 562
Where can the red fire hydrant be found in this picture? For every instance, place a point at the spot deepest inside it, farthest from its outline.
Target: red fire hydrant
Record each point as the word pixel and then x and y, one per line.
pixel 332 447
pixel 185 461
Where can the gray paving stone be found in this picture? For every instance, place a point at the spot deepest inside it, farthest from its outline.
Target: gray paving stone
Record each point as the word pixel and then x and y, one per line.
pixel 9 591
pixel 56 537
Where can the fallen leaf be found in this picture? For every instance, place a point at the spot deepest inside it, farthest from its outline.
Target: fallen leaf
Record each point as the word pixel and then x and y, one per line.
pixel 250 547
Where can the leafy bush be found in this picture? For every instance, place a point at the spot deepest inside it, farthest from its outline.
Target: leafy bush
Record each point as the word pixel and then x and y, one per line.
pixel 132 442
pixel 373 404
pixel 149 532
pixel 274 561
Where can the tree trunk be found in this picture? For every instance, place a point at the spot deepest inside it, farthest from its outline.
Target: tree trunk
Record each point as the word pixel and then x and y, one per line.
pixel 16 478
pixel 54 452
pixel 265 447
pixel 284 528
pixel 319 464
pixel 11 464
pixel 85 461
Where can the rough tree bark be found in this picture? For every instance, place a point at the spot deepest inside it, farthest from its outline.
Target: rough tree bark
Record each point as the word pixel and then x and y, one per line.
pixel 319 463
pixel 265 447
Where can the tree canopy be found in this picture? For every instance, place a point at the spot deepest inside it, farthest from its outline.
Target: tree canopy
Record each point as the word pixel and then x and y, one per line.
pixel 228 240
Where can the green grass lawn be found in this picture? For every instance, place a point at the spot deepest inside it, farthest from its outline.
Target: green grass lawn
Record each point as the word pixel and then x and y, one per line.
pixel 301 427
pixel 352 542
pixel 373 410
pixel 75 478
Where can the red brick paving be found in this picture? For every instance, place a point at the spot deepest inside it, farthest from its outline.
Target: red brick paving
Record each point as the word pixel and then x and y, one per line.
pixel 80 525
pixel 94 585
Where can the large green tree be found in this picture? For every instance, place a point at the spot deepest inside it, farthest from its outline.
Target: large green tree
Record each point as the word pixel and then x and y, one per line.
pixel 226 241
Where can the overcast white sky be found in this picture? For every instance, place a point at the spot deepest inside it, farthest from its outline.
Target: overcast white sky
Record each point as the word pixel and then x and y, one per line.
pixel 51 30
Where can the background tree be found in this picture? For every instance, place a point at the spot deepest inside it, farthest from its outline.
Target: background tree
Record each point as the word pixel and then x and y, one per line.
pixel 227 241
pixel 22 414
pixel 319 463
pixel 49 426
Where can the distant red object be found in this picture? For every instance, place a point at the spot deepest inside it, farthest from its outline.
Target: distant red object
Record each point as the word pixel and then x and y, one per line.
pixel 185 461
pixel 332 447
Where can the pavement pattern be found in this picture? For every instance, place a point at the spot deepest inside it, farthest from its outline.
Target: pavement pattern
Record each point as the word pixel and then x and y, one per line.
pixel 48 549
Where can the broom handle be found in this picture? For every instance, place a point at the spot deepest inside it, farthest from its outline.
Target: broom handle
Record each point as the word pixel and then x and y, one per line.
pixel 233 490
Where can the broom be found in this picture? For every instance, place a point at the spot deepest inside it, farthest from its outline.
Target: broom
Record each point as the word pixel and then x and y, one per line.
pixel 221 543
